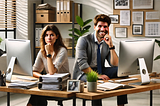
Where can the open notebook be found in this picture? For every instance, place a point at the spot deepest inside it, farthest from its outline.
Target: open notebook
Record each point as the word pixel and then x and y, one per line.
pixel 111 86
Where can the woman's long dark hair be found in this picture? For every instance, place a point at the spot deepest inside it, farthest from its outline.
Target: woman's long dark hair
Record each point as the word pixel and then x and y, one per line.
pixel 57 45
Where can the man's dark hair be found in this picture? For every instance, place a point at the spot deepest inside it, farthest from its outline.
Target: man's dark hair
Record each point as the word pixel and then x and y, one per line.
pixel 103 18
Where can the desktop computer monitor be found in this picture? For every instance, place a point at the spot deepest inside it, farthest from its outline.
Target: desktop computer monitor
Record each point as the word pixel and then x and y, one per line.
pixel 130 53
pixel 18 58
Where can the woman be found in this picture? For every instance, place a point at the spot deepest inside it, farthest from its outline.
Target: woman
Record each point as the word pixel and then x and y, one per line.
pixel 52 57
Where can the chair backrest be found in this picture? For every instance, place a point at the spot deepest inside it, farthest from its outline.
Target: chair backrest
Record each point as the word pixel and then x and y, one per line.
pixel 71 62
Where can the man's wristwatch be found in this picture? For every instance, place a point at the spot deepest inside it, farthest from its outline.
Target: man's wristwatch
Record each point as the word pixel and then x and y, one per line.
pixel 49 55
pixel 112 47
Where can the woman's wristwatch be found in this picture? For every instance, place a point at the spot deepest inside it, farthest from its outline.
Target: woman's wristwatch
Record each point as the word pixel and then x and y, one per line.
pixel 49 55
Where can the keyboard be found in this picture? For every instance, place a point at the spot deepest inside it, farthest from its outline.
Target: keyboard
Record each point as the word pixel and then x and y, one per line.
pixel 128 79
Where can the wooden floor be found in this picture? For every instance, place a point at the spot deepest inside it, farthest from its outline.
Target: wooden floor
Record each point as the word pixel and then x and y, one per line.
pixel 138 99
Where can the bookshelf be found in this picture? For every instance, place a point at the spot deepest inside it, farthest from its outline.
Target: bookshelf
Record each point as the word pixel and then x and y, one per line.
pixel 43 24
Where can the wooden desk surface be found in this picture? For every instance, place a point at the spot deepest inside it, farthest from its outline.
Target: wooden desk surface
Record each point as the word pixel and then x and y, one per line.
pixel 105 94
pixel 36 91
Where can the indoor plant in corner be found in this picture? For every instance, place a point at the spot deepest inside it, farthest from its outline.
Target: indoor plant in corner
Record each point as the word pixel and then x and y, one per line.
pixel 84 28
pixel 1 51
pixel 92 78
pixel 158 42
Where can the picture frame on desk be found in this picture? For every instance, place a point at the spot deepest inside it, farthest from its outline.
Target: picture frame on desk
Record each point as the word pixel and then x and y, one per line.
pixel 114 18
pixel 143 4
pixel 120 32
pixel 73 86
pixel 121 4
pixel 137 29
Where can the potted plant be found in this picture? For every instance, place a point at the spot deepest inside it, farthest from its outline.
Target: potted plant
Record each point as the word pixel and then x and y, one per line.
pixel 92 78
pixel 1 51
pixel 158 42
pixel 84 28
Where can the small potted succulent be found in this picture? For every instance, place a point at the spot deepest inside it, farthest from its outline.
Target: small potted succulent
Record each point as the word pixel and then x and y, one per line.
pixel 92 78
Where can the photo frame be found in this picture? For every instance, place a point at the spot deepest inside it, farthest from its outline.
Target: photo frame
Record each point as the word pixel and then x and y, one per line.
pixel 121 4
pixel 152 15
pixel 125 17
pixel 120 32
pixel 137 17
pixel 137 29
pixel 143 4
pixel 152 29
pixel 114 18
pixel 73 86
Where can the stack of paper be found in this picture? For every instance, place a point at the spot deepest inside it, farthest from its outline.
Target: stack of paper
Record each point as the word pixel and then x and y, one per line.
pixel 22 84
pixel 58 81
pixel 112 86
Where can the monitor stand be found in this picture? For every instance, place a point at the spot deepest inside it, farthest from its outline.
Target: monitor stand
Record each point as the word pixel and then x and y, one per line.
pixel 144 73
pixel 10 69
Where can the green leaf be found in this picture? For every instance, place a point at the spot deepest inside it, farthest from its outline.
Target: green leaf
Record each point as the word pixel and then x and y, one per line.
pixel 73 35
pixel 70 30
pixel 158 42
pixel 84 31
pixel 1 40
pixel 87 21
pixel 87 27
pixel 92 76
pixel 77 31
pixel 79 21
pixel 158 57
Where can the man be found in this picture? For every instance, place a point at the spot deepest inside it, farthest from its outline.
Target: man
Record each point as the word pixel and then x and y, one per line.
pixel 91 52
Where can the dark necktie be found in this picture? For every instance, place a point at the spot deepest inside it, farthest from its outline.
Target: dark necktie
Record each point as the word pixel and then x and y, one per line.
pixel 99 67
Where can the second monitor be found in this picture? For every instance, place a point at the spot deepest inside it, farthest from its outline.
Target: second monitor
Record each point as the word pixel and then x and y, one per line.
pixel 134 55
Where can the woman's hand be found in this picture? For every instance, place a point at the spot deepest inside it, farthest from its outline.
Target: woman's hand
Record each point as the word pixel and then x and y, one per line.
pixel 48 48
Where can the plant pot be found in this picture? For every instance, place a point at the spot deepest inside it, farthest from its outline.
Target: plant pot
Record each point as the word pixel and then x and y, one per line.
pixel 1 52
pixel 92 86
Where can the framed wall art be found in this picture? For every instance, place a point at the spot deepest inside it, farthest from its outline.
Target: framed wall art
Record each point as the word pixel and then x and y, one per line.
pixel 137 17
pixel 152 29
pixel 143 4
pixel 120 32
pixel 121 4
pixel 137 29
pixel 114 19
pixel 125 17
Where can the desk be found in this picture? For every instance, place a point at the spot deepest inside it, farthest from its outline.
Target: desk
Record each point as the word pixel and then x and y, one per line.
pixel 36 91
pixel 106 94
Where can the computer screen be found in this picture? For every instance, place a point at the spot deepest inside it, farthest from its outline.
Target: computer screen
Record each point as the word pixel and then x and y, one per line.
pixel 130 51
pixel 19 59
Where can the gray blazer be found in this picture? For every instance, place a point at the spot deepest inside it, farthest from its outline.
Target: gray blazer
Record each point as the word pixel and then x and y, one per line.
pixel 84 49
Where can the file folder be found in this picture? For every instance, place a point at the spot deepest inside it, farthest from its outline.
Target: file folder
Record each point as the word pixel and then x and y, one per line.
pixel 65 11
pixel 58 11
pixel 62 10
pixel 69 10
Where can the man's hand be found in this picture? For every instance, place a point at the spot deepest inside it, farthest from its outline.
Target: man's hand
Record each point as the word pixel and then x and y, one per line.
pixel 108 40
pixel 103 77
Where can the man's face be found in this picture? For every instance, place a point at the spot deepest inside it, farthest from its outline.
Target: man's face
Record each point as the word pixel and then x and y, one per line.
pixel 101 30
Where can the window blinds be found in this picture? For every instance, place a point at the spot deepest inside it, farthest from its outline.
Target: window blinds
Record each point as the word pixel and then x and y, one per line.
pixel 7 13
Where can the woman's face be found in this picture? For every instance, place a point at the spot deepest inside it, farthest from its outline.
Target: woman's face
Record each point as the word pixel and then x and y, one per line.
pixel 50 37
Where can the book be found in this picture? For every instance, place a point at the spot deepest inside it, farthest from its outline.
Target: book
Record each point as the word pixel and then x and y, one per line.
pixel 52 85
pixel 112 86
pixel 23 85
pixel 57 77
